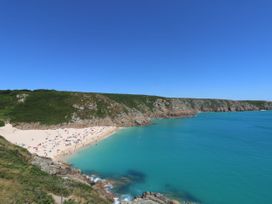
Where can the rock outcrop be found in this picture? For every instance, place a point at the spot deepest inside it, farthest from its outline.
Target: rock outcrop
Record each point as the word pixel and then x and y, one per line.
pixel 53 109
pixel 66 171
pixel 52 167
pixel 154 198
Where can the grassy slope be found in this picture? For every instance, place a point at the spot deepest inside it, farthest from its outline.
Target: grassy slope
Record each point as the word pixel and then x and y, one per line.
pixel 54 107
pixel 133 101
pixel 21 182
pixel 47 107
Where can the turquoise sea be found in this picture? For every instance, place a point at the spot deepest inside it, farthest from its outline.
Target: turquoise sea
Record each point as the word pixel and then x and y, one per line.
pixel 213 158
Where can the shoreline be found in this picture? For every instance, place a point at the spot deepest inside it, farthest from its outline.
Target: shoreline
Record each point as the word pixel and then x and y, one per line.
pixel 57 144
pixel 65 154
pixel 104 186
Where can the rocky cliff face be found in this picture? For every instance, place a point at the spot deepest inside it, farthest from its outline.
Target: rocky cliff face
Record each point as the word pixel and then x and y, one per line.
pixel 154 198
pixel 67 172
pixel 169 108
pixel 43 108
pixel 217 105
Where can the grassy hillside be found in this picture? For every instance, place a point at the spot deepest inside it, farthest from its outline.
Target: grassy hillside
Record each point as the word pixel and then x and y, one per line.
pixel 55 107
pixel 47 107
pixel 2 123
pixel 134 101
pixel 51 107
pixel 21 182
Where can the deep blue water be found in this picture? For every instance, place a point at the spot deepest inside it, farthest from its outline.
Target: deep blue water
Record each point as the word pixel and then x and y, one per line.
pixel 214 158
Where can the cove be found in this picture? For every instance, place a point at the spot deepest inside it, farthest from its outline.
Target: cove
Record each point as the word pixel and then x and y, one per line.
pixel 213 158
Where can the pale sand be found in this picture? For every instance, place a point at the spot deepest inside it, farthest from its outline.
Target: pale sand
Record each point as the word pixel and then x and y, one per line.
pixel 56 143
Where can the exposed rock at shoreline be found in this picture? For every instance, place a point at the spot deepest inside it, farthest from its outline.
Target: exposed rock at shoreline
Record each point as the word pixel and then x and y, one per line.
pixel 42 109
pixel 23 182
pixel 154 198
pixel 53 167
pixel 66 171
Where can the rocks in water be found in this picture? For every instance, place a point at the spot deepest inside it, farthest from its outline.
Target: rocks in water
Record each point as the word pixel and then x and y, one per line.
pixel 67 172
pixel 123 183
pixel 60 169
pixel 94 179
pixel 136 176
pixel 102 186
pixel 185 196
pixel 155 198
pixel 151 198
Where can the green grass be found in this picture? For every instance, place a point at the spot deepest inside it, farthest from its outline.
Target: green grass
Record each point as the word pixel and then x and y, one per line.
pixel 134 101
pixel 46 107
pixel 50 107
pixel 43 106
pixel 256 103
pixel 7 102
pixel 21 182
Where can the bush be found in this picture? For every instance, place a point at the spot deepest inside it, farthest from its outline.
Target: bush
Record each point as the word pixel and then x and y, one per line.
pixel 69 202
pixel 2 123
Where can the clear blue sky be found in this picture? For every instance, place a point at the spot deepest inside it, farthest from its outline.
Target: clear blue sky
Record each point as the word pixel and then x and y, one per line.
pixel 179 48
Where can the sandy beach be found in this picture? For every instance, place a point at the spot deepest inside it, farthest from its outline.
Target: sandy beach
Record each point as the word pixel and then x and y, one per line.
pixel 56 143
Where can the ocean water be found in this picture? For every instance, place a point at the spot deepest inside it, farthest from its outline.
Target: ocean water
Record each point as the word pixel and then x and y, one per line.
pixel 213 158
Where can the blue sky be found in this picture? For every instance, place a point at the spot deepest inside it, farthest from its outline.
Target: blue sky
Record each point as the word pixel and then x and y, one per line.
pixel 178 48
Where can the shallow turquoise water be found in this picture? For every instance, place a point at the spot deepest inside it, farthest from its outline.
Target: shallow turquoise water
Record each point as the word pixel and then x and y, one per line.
pixel 214 158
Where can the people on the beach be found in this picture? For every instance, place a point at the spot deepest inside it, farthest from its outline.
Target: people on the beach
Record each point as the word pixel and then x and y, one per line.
pixel 51 143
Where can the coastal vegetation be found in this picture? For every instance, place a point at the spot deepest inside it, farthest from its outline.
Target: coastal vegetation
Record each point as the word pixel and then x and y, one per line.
pixel 44 106
pixel 22 182
pixel 50 107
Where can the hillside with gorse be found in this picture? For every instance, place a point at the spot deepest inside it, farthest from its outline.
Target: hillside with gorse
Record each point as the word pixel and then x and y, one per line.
pixel 40 108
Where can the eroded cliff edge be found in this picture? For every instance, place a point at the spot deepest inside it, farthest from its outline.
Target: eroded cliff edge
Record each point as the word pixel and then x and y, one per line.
pixel 43 108
pixel 28 178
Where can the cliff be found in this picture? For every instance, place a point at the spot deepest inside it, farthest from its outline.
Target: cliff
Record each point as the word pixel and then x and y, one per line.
pixel 22 181
pixel 40 108
pixel 27 178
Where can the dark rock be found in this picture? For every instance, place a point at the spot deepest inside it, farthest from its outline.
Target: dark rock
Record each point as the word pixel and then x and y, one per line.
pixel 151 198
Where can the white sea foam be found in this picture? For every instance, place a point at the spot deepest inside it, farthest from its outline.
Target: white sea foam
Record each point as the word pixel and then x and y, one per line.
pixel 116 201
pixel 126 197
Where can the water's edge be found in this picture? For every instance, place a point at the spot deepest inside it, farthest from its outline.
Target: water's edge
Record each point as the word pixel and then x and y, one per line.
pixel 134 174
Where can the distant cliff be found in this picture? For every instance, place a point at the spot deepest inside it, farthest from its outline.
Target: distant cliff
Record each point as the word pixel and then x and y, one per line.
pixel 49 107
